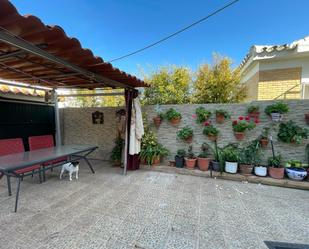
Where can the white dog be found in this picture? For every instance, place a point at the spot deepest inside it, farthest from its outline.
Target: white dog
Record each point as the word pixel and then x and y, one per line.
pixel 71 168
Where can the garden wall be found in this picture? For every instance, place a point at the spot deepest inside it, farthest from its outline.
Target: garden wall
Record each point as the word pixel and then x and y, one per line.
pixel 167 133
pixel 77 127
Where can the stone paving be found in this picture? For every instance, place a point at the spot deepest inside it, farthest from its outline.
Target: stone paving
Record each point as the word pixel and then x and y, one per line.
pixel 150 210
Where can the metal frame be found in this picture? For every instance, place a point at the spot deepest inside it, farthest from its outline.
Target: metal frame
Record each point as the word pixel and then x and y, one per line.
pixel 7 37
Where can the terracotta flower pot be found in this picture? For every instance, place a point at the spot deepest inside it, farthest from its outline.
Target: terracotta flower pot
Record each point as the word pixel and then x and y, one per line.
pixel 245 169
pixel 220 118
pixel 157 121
pixel 189 139
pixel 156 161
pixel 277 173
pixel 175 121
pixel 264 142
pixel 254 115
pixel 203 163
pixel 190 163
pixel 117 163
pixel 239 135
pixel 307 118
pixel 212 137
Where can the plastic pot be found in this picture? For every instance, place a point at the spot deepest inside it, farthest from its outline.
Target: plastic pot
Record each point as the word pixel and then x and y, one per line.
pixel 215 166
pixel 276 117
pixel 260 171
pixel 179 161
pixel 231 167
pixel 297 174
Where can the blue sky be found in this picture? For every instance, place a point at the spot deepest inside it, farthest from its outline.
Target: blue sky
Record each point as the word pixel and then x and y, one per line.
pixel 113 28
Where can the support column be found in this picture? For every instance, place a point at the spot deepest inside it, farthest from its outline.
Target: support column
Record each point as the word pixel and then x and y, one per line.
pixel 57 119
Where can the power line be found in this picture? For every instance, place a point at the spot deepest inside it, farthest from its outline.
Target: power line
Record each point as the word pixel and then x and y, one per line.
pixel 177 32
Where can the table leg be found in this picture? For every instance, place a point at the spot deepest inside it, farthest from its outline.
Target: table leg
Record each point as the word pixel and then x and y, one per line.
pixel 17 194
pixel 8 178
pixel 89 164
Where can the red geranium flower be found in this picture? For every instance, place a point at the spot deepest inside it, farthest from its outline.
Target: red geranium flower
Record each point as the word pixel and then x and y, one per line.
pixel 207 123
pixel 235 122
pixel 247 118
pixel 241 118
pixel 256 121
pixel 193 115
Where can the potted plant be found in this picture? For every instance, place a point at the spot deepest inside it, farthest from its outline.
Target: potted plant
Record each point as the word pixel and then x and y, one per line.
pixel 241 125
pixel 157 120
pixel 253 111
pixel 210 131
pixel 201 115
pixel 260 170
pixel 230 156
pixel 216 163
pixel 116 154
pixel 291 133
pixel 249 157
pixel 186 134
pixel 173 116
pixel 295 171
pixel 307 118
pixel 221 115
pixel 275 170
pixel 276 111
pixel 179 158
pixel 264 137
pixel 190 158
pixel 203 158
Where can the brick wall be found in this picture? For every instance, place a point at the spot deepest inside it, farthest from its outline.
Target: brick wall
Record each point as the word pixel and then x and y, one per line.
pixel 77 127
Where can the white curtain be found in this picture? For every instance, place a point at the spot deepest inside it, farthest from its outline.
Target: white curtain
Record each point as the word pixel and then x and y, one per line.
pixel 136 128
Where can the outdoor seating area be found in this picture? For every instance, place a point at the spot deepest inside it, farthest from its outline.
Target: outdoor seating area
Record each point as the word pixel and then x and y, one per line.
pixel 151 210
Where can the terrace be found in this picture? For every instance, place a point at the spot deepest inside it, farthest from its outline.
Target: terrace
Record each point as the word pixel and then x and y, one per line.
pixel 151 210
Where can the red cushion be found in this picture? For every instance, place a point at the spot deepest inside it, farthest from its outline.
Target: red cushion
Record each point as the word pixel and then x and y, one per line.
pixel 28 169
pixel 41 142
pixel 11 146
pixel 55 161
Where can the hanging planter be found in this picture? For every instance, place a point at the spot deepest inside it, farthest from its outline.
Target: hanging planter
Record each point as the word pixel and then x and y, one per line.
pixel 185 134
pixel 201 115
pixel 157 121
pixel 221 115
pixel 253 111
pixel 239 135
pixel 289 132
pixel 276 111
pixel 241 125
pixel 173 116
pixel 210 131
pixel 264 137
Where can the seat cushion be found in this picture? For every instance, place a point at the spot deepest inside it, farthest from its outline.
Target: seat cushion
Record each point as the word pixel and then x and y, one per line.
pixel 55 161
pixel 41 142
pixel 11 146
pixel 28 169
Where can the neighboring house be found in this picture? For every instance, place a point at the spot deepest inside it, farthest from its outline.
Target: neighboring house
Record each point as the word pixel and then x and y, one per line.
pixel 21 93
pixel 277 71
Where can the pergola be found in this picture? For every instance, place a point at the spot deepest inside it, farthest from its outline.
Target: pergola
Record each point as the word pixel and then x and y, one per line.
pixel 44 56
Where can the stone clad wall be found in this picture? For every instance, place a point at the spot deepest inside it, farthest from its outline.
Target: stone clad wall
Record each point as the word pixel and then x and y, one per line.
pixel 77 127
pixel 167 133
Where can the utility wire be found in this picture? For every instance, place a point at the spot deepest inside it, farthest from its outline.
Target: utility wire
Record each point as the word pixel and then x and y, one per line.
pixel 177 32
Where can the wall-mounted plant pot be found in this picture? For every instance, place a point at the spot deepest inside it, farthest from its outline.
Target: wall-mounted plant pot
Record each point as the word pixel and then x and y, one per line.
pixel 215 166
pixel 254 115
pixel 245 169
pixel 189 139
pixel 239 135
pixel 276 117
pixel 297 174
pixel 179 161
pixel 307 118
pixel 277 173
pixel 260 171
pixel 231 167
pixel 157 121
pixel 264 142
pixel 220 118
pixel 212 137
pixel 190 163
pixel 203 163
pixel 175 121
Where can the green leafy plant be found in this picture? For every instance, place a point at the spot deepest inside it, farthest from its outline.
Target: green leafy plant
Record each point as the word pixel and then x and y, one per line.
pixel 243 124
pixel 190 154
pixel 172 114
pixel 204 151
pixel 265 133
pixel 185 133
pixel 293 163
pixel 116 154
pixel 278 107
pixel 291 133
pixel 253 109
pixel 202 114
pixel 223 113
pixel 275 161
pixel 210 130
pixel 250 153
pixel 181 153
pixel 230 153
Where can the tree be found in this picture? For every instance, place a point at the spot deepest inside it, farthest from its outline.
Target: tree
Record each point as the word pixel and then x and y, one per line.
pixel 218 83
pixel 169 85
